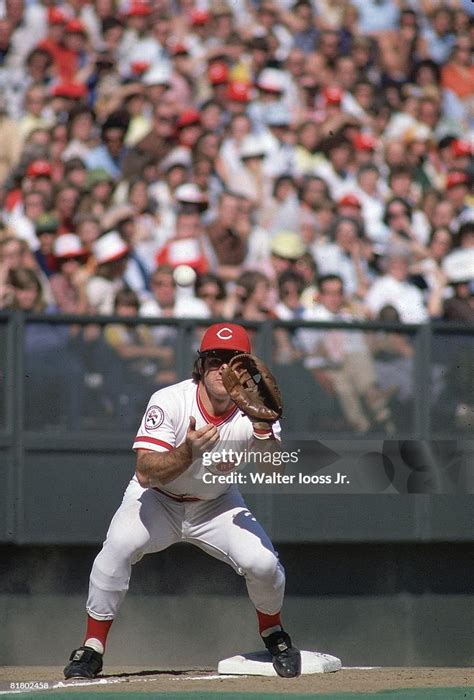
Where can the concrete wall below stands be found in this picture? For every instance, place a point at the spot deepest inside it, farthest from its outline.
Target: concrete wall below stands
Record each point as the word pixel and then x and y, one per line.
pixel 371 604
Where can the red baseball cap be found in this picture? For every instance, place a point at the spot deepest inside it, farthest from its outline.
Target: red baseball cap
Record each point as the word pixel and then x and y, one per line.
pixel 56 16
pixel 461 148
pixel 73 91
pixel 200 17
pixel 188 118
pixel 364 142
pixel 179 49
pixel 456 178
pixel 238 91
pixel 139 8
pixel 39 168
pixel 139 67
pixel 75 26
pixel 225 336
pixel 349 200
pixel 218 74
pixel 332 95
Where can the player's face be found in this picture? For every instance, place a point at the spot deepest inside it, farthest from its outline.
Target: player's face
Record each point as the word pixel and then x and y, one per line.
pixel 213 363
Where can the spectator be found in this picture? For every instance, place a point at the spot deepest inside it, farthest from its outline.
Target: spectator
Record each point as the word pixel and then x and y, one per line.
pixel 341 360
pixel 97 197
pixel 111 254
pixel 457 78
pixel 402 228
pixel 166 302
pixel 460 307
pixel 75 173
pixel 87 228
pixel 22 219
pixel 457 189
pixel 233 242
pixel 35 113
pixel 146 363
pixel 461 259
pixel 438 35
pixel 157 143
pixel 14 254
pixel 68 284
pixel 286 250
pixel 110 155
pixel 376 15
pixel 251 300
pixel 66 201
pixel 307 269
pixel 290 288
pixel 81 133
pixel 46 229
pixel 337 171
pixel 430 269
pixel 345 256
pixel 394 289
pixel 211 289
pixel 186 246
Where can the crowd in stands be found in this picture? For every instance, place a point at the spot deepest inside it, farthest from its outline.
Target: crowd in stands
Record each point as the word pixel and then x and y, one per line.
pixel 240 159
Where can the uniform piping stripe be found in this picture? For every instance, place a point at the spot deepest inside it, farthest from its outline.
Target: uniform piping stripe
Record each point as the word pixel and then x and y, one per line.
pixel 154 441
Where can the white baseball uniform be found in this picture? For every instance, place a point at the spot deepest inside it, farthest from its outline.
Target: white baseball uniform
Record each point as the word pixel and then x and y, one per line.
pixel 212 516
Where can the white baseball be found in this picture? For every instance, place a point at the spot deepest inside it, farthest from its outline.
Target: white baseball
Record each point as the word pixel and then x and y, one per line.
pixel 184 275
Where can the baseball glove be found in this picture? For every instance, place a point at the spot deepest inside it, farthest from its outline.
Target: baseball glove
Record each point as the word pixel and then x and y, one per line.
pixel 252 386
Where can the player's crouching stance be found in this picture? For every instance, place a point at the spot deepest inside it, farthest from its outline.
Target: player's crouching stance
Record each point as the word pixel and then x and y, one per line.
pixel 168 501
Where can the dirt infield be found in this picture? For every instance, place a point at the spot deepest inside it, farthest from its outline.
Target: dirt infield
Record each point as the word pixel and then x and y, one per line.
pixel 205 682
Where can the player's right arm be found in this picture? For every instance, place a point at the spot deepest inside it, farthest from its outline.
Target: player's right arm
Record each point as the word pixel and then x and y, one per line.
pixel 159 468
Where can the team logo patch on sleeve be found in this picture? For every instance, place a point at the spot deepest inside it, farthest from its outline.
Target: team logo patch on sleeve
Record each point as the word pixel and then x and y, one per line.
pixel 154 418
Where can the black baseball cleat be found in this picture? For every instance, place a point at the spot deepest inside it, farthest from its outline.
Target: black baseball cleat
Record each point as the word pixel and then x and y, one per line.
pixel 286 658
pixel 83 663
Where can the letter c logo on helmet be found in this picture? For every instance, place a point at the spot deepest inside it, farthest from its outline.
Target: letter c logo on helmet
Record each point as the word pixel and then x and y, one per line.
pixel 224 334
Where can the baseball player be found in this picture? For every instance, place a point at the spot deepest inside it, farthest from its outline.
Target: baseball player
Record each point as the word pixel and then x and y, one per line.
pixel 168 500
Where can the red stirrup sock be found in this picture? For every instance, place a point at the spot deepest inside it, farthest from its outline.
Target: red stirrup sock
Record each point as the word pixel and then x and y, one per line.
pixel 267 624
pixel 96 633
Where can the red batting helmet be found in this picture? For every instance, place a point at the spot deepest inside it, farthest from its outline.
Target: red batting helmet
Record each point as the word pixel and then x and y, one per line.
pixel 225 336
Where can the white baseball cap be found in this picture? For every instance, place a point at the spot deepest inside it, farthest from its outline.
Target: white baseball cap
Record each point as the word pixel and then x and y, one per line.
pixel 251 147
pixel 459 266
pixel 157 74
pixel 109 247
pixel 272 80
pixel 178 156
pixel 68 245
pixel 189 192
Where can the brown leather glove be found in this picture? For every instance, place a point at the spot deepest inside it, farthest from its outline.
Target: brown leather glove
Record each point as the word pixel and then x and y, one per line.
pixel 254 389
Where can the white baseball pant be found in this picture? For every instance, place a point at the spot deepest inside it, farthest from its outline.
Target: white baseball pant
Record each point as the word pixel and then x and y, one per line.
pixel 148 521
